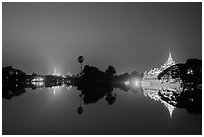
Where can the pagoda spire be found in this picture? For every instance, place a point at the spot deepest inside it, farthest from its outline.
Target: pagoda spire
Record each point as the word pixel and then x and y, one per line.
pixel 170 60
pixel 55 72
pixel 170 55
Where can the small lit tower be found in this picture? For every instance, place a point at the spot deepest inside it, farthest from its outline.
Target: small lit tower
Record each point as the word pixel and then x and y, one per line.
pixel 170 62
pixel 55 73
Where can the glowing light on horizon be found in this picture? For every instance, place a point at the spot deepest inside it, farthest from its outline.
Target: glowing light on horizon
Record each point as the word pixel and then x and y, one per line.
pixel 133 83
pixel 38 79
pixel 69 74
pixel 37 83
pixel 127 83
pixel 55 73
pixel 137 83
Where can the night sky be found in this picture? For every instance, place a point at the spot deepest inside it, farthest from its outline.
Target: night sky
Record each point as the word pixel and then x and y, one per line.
pixel 130 36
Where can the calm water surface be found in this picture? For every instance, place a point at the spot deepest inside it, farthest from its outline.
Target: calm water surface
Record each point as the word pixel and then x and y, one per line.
pixel 41 111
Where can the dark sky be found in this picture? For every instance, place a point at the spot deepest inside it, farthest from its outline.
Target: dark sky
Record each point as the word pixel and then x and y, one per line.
pixel 130 36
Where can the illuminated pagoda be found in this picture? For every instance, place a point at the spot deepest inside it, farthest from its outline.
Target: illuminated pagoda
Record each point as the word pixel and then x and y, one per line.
pixel 153 73
pixel 55 73
pixel 170 62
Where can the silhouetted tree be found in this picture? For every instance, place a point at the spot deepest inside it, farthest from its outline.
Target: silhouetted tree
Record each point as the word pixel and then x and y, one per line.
pixel 13 89
pixel 34 74
pixel 80 110
pixel 194 70
pixel 111 71
pixel 110 98
pixel 80 60
pixel 92 74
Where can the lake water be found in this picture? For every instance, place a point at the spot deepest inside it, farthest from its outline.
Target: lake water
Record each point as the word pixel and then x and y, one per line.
pixel 55 111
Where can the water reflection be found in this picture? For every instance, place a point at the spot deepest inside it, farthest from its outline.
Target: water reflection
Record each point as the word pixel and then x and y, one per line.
pixel 178 86
pixel 171 96
pixel 154 93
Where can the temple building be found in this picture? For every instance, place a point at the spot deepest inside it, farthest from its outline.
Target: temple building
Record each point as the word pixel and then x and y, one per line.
pixel 153 73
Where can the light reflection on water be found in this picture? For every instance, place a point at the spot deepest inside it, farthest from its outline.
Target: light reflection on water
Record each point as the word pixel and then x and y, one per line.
pixel 131 113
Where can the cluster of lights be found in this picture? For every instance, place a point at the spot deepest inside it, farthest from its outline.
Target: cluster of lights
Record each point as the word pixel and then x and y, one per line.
pixel 37 79
pixel 55 88
pixel 137 83
pixel 190 71
pixel 134 83
pixel 69 87
pixel 69 74
pixel 38 83
pixel 127 83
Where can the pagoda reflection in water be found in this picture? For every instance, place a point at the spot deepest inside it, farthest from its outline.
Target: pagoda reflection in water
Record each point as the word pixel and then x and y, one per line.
pixel 152 86
pixel 154 94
